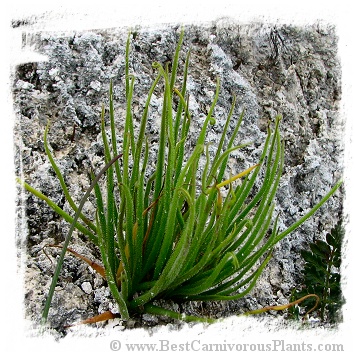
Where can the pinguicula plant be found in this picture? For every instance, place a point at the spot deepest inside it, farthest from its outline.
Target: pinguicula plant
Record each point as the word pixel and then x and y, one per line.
pixel 173 234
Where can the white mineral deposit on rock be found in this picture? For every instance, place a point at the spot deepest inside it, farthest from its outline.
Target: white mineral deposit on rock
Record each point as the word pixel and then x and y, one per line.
pixel 86 286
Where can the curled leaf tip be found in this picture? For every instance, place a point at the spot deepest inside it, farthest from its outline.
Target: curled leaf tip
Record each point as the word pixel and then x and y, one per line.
pixel 236 177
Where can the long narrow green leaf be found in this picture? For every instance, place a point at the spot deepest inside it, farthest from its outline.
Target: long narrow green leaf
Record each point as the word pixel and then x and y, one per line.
pixel 310 213
pixel 172 267
pixel 62 181
pixel 111 278
pixel 176 60
pixel 58 210
pixel 113 133
pixel 252 279
pixel 165 250
pixel 67 240
pixel 100 208
pixel 109 239
pixel 142 131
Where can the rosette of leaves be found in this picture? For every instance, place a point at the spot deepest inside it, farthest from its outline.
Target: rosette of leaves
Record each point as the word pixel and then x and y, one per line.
pixel 173 234
pixel 321 275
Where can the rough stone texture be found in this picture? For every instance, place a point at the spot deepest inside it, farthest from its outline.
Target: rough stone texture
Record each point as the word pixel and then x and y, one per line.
pixel 289 70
